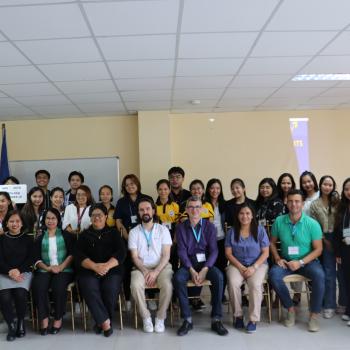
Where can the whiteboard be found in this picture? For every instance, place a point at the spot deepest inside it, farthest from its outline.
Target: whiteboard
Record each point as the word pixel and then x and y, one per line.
pixel 96 171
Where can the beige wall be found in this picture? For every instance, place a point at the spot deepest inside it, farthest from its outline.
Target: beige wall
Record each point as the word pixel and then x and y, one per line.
pixel 250 145
pixel 253 145
pixel 74 138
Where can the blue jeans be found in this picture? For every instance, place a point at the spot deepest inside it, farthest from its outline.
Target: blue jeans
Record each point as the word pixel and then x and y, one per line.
pixel 214 275
pixel 313 271
pixel 329 267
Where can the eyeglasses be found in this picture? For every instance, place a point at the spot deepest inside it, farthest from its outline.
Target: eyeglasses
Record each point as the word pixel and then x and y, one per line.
pixel 193 207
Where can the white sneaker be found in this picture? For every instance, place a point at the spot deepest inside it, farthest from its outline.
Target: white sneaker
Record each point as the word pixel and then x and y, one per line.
pixel 152 305
pixel 345 318
pixel 348 323
pixel 127 305
pixel 159 326
pixel 147 325
pixel 328 313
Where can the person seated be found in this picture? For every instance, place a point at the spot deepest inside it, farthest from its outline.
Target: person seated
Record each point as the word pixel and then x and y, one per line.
pixel 53 255
pixel 247 250
pixel 198 251
pixel 150 244
pixel 300 237
pixel 16 259
pixel 100 253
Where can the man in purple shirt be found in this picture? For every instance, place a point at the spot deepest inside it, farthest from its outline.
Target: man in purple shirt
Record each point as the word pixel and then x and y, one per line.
pixel 197 250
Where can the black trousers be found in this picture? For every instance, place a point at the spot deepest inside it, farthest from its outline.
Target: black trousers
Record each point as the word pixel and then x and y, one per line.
pixel 57 283
pixel 221 262
pixel 128 265
pixel 100 294
pixel 14 296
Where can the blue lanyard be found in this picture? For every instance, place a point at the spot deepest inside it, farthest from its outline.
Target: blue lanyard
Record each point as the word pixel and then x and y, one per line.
pixel 196 235
pixel 293 229
pixel 147 236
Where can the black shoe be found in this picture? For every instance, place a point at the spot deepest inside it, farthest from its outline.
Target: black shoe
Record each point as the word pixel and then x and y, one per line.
pixel 55 330
pixel 11 335
pixel 44 331
pixel 21 331
pixel 219 328
pixel 97 329
pixel 185 328
pixel 108 332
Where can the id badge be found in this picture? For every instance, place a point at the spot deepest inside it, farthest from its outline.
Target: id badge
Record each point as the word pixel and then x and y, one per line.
pixel 262 222
pixel 201 257
pixel 133 219
pixel 148 260
pixel 293 250
pixel 346 232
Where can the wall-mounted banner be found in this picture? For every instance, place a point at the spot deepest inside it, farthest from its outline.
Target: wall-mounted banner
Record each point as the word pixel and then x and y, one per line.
pixel 300 137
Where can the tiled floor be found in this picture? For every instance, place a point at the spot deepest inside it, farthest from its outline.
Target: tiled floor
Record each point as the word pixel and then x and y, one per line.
pixel 334 335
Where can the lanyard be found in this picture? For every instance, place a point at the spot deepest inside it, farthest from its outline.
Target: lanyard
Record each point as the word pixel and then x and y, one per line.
pixel 80 217
pixel 148 236
pixel 293 229
pixel 196 235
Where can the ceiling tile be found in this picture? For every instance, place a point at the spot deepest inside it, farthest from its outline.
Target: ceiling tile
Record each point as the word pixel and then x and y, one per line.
pixel 10 56
pixel 330 99
pixel 244 102
pixel 290 92
pixel 218 66
pixel 102 108
pixel 343 84
pixel 311 83
pixel 133 17
pixel 145 95
pixel 199 82
pixel 225 15
pixel 142 69
pixel 148 105
pixel 39 22
pixel 44 100
pixel 344 92
pixel 29 2
pixel 340 46
pixel 81 87
pixel 144 84
pixel 328 64
pixel 260 80
pixel 2 38
pixel 8 102
pixel 138 47
pixel 1 94
pixel 95 97
pixel 273 65
pixel 197 94
pixel 62 110
pixel 191 110
pixel 6 113
pixel 29 89
pixel 311 15
pixel 291 44
pixel 75 71
pixel 248 92
pixel 20 74
pixel 215 45
pixel 60 50
pixel 187 104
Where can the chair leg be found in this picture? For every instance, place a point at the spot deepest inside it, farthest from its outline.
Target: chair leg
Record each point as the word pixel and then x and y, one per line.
pixel 171 314
pixel 80 305
pixel 307 290
pixel 84 315
pixel 72 308
pixel 135 311
pixel 268 302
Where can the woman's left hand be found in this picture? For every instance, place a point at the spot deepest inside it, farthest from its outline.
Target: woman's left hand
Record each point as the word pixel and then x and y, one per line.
pixel 56 269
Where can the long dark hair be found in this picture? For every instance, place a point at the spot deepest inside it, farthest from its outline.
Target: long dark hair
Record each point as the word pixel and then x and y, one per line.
pixel 199 182
pixel 333 197
pixel 170 197
pixel 221 200
pixel 342 206
pixel 260 199
pixel 7 196
pixel 313 178
pixel 253 225
pixel 279 183
pixel 241 183
pixel 7 217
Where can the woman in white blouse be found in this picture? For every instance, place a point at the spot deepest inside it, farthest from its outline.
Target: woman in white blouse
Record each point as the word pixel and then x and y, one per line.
pixel 76 216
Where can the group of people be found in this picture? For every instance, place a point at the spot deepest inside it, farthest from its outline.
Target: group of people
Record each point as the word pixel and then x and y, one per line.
pixel 143 247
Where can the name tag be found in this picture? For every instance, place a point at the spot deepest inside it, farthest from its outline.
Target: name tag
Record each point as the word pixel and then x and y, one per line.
pixel 148 260
pixel 201 257
pixel 293 250
pixel 346 232
pixel 133 219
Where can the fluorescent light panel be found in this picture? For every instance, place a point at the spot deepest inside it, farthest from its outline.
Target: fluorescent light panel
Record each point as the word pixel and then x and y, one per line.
pixel 313 77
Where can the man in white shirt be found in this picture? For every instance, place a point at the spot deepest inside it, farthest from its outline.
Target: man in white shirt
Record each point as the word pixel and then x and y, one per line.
pixel 149 244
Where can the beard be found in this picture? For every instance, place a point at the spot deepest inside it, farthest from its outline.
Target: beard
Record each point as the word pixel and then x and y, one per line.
pixel 146 218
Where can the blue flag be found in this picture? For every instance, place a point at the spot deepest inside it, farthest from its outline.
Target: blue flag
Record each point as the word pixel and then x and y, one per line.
pixel 4 164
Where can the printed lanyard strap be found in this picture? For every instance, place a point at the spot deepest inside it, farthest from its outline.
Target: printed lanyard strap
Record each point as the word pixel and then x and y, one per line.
pixel 196 235
pixel 148 236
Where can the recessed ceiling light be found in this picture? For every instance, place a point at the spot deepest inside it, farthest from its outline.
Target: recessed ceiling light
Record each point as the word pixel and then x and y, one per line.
pixel 195 102
pixel 312 77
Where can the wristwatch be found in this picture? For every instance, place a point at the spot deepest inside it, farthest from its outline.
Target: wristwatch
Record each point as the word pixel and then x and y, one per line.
pixel 301 262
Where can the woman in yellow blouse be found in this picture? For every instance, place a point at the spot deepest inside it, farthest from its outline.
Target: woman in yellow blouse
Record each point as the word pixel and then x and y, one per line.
pixel 105 194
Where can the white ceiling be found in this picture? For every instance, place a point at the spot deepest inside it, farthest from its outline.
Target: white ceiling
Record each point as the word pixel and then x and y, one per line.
pixel 61 58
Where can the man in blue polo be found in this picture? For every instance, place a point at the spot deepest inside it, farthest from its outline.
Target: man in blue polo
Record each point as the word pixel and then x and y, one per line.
pixel 301 244
pixel 198 251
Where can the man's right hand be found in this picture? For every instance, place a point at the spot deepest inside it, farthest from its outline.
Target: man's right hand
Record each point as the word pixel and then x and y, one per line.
pixel 282 263
pixel 195 276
